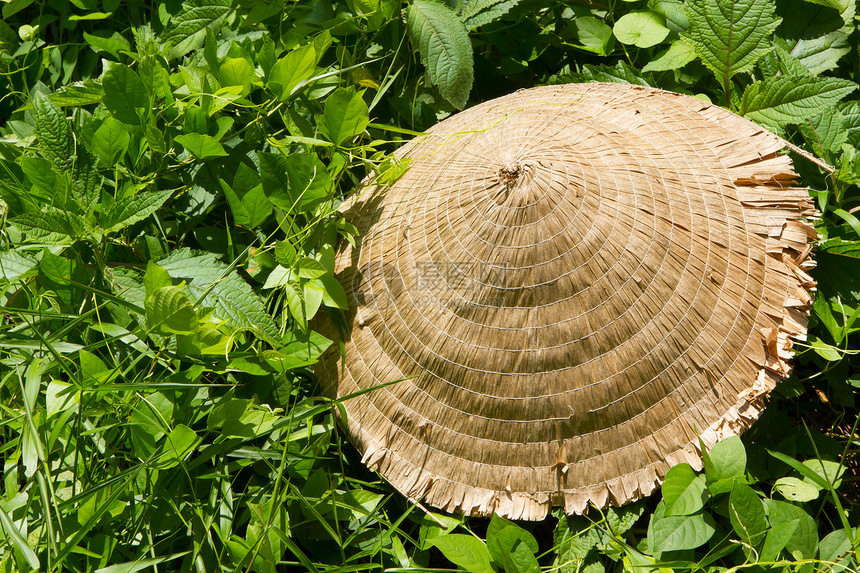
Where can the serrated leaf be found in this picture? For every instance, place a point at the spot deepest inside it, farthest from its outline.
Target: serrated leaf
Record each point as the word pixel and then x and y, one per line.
pixel 620 73
pixel 222 289
pixel 201 146
pixel 816 35
pixel 782 100
pixel 53 133
pixel 188 28
pixel 445 48
pixel 683 490
pixel 476 13
pixel 825 131
pixel 465 551
pixel 678 55
pixel 794 489
pixel 730 36
pixel 641 29
pixel 130 210
pixel 50 225
pixel 345 115
pixel 170 311
pixel 850 112
pixel 124 94
pixel 746 513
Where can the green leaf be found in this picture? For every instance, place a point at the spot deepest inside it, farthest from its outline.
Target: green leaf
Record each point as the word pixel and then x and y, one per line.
pixel 155 278
pixel 130 210
pixel 678 532
pixel 345 115
pixel 291 70
pixel 730 36
pixel 621 73
pixel 79 93
pixel 512 546
pixel 804 539
pixel 683 490
pixel 230 297
pixel 54 133
pixel 679 54
pixel 825 131
pixel 641 29
pixel 446 52
pixel 746 514
pixel 333 294
pixel 170 311
pixel 187 29
pixel 797 490
pixel 816 35
pixel 724 462
pixel 140 564
pixel 781 100
pixel 178 444
pixel 780 533
pixel 465 551
pixel 16 266
pixel 595 35
pixel 13 534
pixel 476 13
pixel 309 268
pixel 110 140
pixel 60 396
pixel 201 146
pixel 236 72
pixel 834 551
pixel 125 95
pixel 110 42
pixel 51 225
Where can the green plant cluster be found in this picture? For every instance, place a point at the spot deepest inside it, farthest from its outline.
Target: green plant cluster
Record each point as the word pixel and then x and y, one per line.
pixel 170 173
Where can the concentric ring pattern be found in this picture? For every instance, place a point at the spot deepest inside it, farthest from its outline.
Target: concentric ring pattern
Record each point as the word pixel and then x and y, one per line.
pixel 572 284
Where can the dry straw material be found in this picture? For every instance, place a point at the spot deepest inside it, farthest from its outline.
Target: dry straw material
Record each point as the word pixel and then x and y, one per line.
pixel 574 285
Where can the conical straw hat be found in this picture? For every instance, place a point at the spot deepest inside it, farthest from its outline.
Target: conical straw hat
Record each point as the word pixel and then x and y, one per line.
pixel 575 285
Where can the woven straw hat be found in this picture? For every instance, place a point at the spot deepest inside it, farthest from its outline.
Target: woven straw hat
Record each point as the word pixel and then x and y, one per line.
pixel 574 285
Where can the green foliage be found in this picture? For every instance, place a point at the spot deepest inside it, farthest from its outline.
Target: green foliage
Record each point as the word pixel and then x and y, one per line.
pixel 170 175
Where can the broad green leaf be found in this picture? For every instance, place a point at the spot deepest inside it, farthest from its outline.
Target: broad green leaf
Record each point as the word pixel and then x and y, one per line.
pixel 170 311
pixel 279 276
pixel 148 421
pixel 222 289
pixel 201 146
pixel 60 396
pixel 291 70
pixel 54 133
pixel 595 35
pixel 112 43
pixel 835 553
pixel 79 93
pixel 188 28
pixel 45 180
pixel 512 546
pixel 746 514
pixel 679 54
pixel 683 490
pixel 803 541
pixel 724 462
pixel 309 183
pixel 826 351
pixel 641 29
pixel 779 534
pixel 313 297
pixel 797 490
pixel 309 268
pixel 345 115
pixel 333 294
pixel 782 100
pixel 730 36
pixel 8 38
pixel 850 112
pixel 155 278
pixel 236 72
pixel 678 532
pixel 465 551
pixel 476 13
pixel 18 542
pixel 125 94
pixel 445 48
pixel 621 73
pixel 130 210
pixel 178 444
pixel 829 472
pixel 110 140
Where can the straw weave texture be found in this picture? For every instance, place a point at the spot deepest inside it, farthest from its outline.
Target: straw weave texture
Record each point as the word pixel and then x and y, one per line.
pixel 574 284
